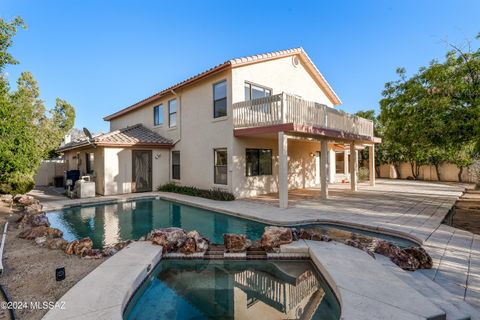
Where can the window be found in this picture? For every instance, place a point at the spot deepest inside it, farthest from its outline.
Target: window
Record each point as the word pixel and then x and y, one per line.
pixel 253 91
pixel 158 115
pixel 339 162
pixel 259 162
pixel 172 113
pixel 220 166
pixel 220 99
pixel 176 165
pixel 90 157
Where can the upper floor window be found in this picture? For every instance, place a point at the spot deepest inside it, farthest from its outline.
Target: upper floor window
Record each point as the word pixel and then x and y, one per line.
pixel 253 91
pixel 158 115
pixel 172 113
pixel 220 99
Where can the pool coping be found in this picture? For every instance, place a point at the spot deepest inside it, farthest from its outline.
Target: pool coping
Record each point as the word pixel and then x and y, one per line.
pixel 360 294
pixel 213 205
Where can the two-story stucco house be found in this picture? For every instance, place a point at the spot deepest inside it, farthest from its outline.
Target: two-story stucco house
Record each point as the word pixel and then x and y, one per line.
pixel 254 125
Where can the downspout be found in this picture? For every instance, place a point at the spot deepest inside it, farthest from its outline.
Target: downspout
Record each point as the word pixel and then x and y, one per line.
pixel 179 99
pixel 179 108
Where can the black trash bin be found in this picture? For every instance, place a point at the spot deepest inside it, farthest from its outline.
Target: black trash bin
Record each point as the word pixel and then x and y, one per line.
pixel 58 181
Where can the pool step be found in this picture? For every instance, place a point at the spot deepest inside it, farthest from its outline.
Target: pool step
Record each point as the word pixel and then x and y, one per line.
pixel 454 308
pixel 216 251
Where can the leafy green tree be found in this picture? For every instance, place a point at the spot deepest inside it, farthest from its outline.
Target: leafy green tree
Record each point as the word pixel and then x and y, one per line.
pixel 433 117
pixel 28 133
pixel 7 31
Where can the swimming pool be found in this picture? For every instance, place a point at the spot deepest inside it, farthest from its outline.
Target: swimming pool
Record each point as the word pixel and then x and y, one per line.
pixel 185 289
pixel 109 223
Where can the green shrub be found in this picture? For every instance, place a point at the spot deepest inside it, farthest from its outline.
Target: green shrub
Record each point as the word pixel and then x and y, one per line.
pixel 363 174
pixel 16 183
pixel 214 194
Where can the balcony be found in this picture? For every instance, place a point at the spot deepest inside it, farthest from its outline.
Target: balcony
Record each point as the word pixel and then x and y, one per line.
pixel 291 113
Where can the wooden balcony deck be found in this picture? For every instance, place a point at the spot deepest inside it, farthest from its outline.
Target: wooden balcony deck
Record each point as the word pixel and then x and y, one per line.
pixel 286 112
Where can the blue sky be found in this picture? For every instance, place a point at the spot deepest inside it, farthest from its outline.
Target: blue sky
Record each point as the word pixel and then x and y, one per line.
pixel 102 56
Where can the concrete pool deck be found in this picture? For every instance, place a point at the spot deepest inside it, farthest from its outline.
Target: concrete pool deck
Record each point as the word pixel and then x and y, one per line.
pixel 412 209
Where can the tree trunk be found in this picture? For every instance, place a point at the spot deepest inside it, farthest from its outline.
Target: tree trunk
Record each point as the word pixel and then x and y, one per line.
pixel 377 171
pixel 412 165
pixel 396 167
pixel 460 174
pixel 437 170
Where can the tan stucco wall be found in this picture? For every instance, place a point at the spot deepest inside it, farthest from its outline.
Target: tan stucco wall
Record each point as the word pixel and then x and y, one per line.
pixel 448 172
pixel 72 163
pixel 281 76
pixel 197 133
pixel 118 169
pixel 301 166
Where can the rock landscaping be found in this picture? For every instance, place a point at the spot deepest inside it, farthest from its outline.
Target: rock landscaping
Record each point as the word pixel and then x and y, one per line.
pixel 236 242
pixel 177 240
pixel 36 227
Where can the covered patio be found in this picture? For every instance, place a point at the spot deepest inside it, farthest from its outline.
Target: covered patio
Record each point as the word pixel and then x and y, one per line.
pixel 287 117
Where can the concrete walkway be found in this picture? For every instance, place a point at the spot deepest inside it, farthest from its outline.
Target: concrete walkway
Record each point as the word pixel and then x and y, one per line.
pixel 412 209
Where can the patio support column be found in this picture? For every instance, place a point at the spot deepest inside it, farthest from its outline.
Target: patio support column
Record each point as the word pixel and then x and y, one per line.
pixel 345 161
pixel 282 170
pixel 324 168
pixel 353 167
pixel 371 164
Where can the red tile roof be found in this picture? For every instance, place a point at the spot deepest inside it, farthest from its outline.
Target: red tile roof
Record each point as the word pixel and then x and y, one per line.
pixel 233 64
pixel 136 135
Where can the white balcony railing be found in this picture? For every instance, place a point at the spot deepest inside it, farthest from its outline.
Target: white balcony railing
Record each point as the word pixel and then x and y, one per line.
pixel 286 108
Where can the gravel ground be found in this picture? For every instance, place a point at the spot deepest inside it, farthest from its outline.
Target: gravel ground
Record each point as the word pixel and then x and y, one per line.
pixel 29 270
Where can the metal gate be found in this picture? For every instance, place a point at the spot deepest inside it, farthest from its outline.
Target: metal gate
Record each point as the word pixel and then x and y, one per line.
pixel 141 170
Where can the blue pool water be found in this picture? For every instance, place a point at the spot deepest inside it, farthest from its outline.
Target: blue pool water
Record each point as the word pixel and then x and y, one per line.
pixel 107 224
pixel 187 289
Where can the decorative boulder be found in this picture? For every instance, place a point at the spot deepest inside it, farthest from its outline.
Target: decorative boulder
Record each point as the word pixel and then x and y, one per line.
pixel 424 259
pixel 313 235
pixel 78 246
pixel 25 200
pixel 359 245
pixel 91 254
pixel 33 208
pixel 189 246
pixel 56 243
pixel 42 231
pixel 109 251
pixel 273 237
pixel 201 243
pixel 33 220
pixel 169 238
pixel 69 248
pixel 398 256
pixel 82 245
pixel 122 244
pixel 235 242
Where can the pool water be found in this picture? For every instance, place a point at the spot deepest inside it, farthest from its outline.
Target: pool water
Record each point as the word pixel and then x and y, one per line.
pixel 187 289
pixel 107 224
